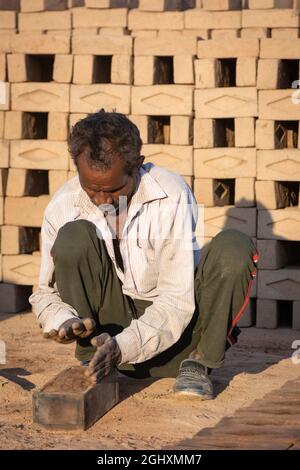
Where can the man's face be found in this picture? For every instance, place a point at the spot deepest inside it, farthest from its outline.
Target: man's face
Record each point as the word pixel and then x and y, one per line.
pixel 105 187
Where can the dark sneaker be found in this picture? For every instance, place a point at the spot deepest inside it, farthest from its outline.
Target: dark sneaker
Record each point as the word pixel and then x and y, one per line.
pixel 193 379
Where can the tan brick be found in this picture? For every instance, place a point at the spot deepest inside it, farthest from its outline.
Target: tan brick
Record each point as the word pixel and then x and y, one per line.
pixel 267 74
pixel 1 124
pixel 280 165
pixel 267 195
pixel 170 46
pixel 279 224
pixel 197 33
pixel 72 174
pixel 1 210
pixel 46 20
pixel 246 71
pixel 181 130
pixel 83 69
pixel 217 219
pixel 4 153
pixel 29 6
pixel 244 132
pixel 114 18
pixel 75 117
pixel 204 133
pixel 250 33
pixel 16 182
pixel 8 20
pixel 16 66
pixel 2 67
pixel 265 134
pixel 212 20
pixel 258 4
pixel 39 155
pixel 99 45
pixel 21 269
pixel 206 73
pixel 284 33
pixel 272 254
pixel 142 124
pixel 221 49
pixel 93 97
pixel 225 162
pixel 140 33
pixel 225 34
pixel 40 97
pixel 79 32
pixel 269 19
pixel 106 3
pixel 112 32
pixel 158 5
pixel 35 43
pixel 4 96
pixel 226 102
pixel 5 43
pixel 162 100
pixel 121 69
pixel 281 284
pixel 221 5
pixel 204 191
pixel 13 128
pixel 267 313
pixel 183 69
pixel 279 49
pixel 148 20
pixel 9 240
pixel 58 128
pixel 63 68
pixel 144 70
pixel 25 211
pixel 244 192
pixel 57 178
pixel 173 157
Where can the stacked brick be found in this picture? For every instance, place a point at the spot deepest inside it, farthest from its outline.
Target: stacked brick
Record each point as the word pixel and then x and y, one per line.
pixel 209 83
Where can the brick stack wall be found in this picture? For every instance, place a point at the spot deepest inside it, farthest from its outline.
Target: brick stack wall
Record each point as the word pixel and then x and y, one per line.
pixel 211 84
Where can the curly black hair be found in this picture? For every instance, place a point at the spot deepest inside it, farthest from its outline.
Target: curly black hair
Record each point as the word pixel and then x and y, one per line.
pixel 103 136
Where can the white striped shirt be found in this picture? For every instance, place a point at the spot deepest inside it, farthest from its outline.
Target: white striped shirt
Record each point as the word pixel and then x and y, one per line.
pixel 159 254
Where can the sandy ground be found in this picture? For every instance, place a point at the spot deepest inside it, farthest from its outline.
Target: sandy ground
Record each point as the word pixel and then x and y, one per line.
pixel 148 416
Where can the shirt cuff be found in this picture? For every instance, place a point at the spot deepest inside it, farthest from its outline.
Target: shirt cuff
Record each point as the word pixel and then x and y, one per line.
pixel 129 346
pixel 55 322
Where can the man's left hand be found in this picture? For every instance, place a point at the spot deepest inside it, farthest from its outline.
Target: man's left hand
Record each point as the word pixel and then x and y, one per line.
pixel 108 354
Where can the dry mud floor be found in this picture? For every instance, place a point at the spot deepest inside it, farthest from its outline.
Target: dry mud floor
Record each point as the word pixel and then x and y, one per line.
pixel 148 416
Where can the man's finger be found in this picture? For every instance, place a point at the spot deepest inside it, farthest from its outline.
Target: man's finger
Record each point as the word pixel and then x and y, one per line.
pixel 98 341
pixel 89 324
pixel 62 333
pixel 52 334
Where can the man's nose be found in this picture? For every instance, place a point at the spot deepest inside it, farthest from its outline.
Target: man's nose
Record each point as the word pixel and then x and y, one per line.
pixel 102 198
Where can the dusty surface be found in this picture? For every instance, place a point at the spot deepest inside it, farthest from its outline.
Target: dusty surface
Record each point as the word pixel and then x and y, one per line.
pixel 148 416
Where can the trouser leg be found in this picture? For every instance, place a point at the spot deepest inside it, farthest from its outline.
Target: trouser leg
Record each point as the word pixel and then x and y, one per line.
pixel 87 280
pixel 222 287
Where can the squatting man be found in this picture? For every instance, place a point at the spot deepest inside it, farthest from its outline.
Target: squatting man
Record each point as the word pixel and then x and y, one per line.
pixel 121 271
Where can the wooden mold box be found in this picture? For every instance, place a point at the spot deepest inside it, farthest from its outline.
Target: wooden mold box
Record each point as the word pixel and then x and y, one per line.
pixel 70 401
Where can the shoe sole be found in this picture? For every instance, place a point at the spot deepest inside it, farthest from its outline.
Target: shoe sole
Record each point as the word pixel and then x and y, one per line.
pixel 187 392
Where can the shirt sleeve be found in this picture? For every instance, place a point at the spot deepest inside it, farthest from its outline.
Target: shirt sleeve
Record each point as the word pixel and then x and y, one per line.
pixel 164 321
pixel 50 310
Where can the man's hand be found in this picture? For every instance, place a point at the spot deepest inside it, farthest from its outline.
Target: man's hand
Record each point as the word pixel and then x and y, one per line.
pixel 72 329
pixel 108 354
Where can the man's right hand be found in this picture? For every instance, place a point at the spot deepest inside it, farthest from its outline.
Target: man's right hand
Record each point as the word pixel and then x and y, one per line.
pixel 72 329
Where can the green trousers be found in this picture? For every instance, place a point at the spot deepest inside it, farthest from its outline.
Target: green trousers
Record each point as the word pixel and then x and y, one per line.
pixel 86 279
